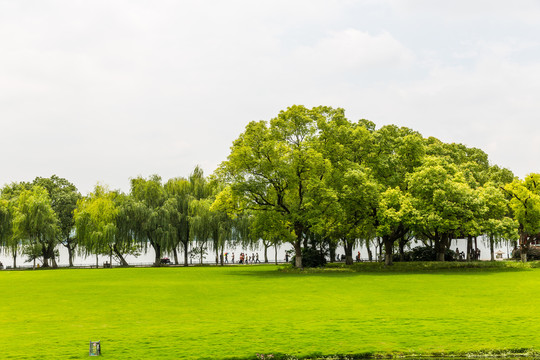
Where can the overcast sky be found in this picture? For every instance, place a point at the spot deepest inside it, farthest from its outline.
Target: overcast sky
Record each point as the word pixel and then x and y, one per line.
pixel 108 90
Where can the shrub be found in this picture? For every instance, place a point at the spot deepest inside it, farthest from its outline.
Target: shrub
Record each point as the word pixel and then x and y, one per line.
pixel 311 258
pixel 533 254
pixel 426 253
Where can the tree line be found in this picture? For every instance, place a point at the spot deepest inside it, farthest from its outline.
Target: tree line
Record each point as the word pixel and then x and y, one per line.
pixel 312 177
pixel 169 217
pixel 308 177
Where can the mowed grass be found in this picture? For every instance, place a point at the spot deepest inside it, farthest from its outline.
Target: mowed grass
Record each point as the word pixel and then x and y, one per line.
pixel 238 311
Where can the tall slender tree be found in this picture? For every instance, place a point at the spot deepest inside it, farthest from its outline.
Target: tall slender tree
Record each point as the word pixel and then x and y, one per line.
pixel 152 215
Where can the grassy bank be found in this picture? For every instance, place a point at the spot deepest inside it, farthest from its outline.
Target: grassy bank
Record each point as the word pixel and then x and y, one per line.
pixel 239 311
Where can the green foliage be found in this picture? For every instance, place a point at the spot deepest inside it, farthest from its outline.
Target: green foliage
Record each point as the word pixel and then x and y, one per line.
pixel 103 225
pixel 427 253
pixel 533 253
pixel 152 215
pixel 36 223
pixel 311 258
pixel 275 167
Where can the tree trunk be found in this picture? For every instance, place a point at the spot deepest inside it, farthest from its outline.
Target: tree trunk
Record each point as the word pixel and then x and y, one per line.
pixel 217 254
pixel 275 253
pixel 388 247
pixel 221 254
pixel 110 258
pixel 45 254
pixel 380 248
pixel 118 254
pixel 469 247
pixel 298 231
pixel 439 249
pixel 201 254
pixel 370 254
pixel 70 254
pixel 492 247
pixel 175 255
pixel 97 261
pixel 14 259
pixel 298 253
pixel 157 249
pixel 186 250
pixel 332 248
pixel 266 246
pixel 524 244
pixel 348 247
pixel 52 255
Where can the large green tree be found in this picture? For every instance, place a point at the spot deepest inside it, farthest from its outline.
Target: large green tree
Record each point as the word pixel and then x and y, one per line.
pixel 442 202
pixel 274 166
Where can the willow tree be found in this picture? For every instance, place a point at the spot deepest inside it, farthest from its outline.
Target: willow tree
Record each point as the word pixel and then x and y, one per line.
pixel 102 226
pixel 36 222
pixel 64 197
pixel 272 167
pixel 201 224
pixel 180 193
pixel 8 202
pixel 208 224
pixel 152 214
pixel 7 241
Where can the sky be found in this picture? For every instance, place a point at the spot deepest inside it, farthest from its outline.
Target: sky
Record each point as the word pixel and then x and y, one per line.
pixel 104 91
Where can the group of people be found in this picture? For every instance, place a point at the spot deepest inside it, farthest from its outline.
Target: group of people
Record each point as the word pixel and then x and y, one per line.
pixel 244 258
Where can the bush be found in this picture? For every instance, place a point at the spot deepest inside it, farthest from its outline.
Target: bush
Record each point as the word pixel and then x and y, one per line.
pixel 426 253
pixel 533 254
pixel 311 258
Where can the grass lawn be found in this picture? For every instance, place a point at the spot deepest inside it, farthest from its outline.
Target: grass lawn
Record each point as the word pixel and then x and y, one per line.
pixel 238 311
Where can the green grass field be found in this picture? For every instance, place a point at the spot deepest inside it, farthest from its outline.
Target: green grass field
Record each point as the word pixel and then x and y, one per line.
pixel 238 311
